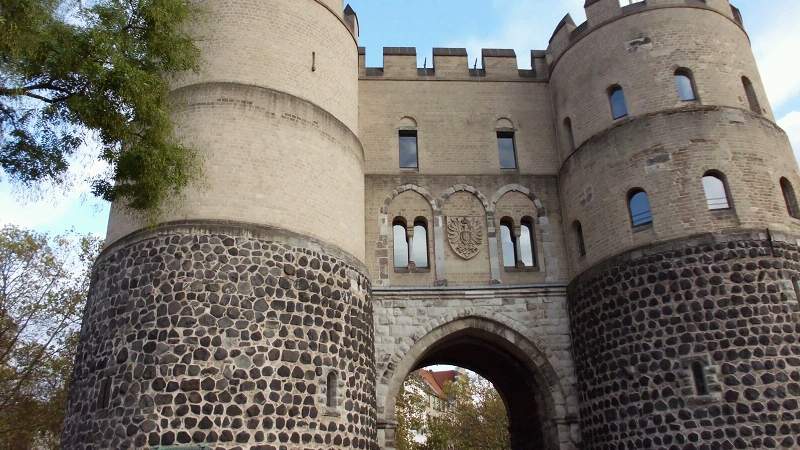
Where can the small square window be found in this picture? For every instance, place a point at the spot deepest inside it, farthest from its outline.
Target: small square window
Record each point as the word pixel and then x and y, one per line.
pixel 408 149
pixel 507 148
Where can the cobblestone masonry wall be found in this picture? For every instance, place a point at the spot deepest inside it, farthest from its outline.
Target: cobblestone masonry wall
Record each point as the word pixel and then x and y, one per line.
pixel 224 338
pixel 726 302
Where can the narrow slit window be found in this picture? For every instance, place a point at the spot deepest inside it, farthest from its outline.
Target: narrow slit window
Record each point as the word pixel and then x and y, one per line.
pixel 331 385
pixel 639 206
pixel 527 249
pixel 796 287
pixel 568 134
pixel 752 98
pixel 684 82
pixel 508 243
pixel 579 241
pixel 716 191
pixel 419 244
pixel 400 244
pixel 700 380
pixel 104 397
pixel 619 107
pixel 507 149
pixel 409 157
pixel 789 198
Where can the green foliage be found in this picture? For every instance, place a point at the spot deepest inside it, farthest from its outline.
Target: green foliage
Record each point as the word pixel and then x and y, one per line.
pixel 43 286
pixel 68 72
pixel 476 418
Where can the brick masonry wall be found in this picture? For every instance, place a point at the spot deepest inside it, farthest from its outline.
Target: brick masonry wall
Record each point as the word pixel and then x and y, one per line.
pixel 224 335
pixel 641 319
pixel 640 52
pixel 667 154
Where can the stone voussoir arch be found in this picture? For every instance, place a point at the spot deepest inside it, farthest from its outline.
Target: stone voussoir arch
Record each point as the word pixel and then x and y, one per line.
pixel 414 348
pixel 405 188
pixel 463 188
pixel 540 209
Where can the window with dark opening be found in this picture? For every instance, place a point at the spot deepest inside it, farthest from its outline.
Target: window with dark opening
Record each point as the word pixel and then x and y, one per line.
pixel 419 243
pixel 789 198
pixel 700 380
pixel 507 149
pixel 331 385
pixel 400 243
pixel 508 242
pixel 568 135
pixel 616 96
pixel 752 98
pixel 408 149
pixel 104 397
pixel 527 249
pixel 716 191
pixel 639 206
pixel 579 242
pixel 684 82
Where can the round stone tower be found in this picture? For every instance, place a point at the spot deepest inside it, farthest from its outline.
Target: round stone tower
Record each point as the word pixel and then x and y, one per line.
pixel 243 319
pixel 678 198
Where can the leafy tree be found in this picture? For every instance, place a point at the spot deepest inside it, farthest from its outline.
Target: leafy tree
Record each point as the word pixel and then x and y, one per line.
pixel 475 418
pixel 43 285
pixel 70 74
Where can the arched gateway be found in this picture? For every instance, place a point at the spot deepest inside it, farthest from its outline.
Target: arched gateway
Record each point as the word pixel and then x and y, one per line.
pixel 519 370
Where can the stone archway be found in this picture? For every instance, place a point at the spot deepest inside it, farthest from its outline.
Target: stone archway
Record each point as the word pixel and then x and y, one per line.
pixel 519 370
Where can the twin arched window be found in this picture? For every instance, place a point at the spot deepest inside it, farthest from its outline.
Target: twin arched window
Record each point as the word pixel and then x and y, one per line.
pixel 410 249
pixel 518 250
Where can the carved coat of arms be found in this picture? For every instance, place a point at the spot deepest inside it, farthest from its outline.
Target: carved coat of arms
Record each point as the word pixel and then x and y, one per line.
pixel 465 235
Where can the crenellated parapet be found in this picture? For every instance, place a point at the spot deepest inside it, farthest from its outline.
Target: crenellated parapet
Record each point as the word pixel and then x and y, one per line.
pixel 400 63
pixel 602 12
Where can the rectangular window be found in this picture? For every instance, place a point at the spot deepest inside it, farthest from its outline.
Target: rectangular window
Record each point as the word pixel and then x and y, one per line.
pixel 508 151
pixel 408 149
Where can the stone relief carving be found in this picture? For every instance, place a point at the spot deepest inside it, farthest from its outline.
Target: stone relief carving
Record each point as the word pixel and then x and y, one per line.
pixel 465 235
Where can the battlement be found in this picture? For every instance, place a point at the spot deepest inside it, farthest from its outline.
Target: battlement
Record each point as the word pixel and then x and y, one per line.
pixel 601 12
pixel 400 63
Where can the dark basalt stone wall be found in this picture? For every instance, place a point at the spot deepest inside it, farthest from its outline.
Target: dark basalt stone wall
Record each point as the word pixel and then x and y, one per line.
pixel 223 337
pixel 726 305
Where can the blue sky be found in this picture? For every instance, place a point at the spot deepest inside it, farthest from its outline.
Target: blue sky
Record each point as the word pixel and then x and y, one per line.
pixel 474 24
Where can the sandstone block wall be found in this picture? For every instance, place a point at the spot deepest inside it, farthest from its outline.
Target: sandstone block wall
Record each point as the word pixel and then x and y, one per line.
pixel 224 335
pixel 639 320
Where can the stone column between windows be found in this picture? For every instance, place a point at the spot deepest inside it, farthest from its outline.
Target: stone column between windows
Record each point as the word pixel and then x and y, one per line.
pixel 494 259
pixel 438 248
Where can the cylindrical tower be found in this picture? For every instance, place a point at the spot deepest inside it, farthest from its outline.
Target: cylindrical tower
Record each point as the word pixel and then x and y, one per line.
pixel 243 319
pixel 678 196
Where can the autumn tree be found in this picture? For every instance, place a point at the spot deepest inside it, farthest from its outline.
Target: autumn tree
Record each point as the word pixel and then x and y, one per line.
pixel 77 72
pixel 475 417
pixel 43 286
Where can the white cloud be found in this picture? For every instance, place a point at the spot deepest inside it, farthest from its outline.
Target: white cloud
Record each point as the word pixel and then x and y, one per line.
pixel 775 47
pixel 791 124
pixel 527 25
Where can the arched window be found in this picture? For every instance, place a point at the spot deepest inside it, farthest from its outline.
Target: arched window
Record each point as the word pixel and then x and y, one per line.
pixel 400 243
pixel 577 228
pixel 616 96
pixel 639 207
pixel 752 98
pixel 419 243
pixel 790 198
pixel 700 380
pixel 716 191
pixel 527 249
pixel 330 392
pixel 568 135
pixel 684 82
pixel 508 242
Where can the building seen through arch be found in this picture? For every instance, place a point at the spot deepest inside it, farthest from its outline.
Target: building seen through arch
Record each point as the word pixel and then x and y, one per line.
pixel 609 236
